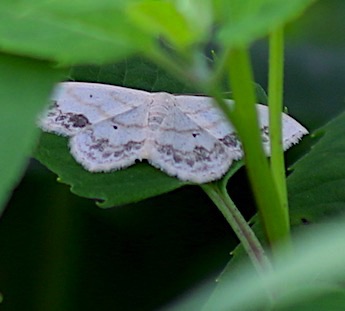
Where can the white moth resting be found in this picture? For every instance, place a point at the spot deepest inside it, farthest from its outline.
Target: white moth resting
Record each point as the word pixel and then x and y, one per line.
pixel 110 127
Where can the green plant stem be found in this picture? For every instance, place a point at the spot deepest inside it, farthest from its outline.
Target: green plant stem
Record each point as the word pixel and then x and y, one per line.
pixel 275 101
pixel 240 226
pixel 272 213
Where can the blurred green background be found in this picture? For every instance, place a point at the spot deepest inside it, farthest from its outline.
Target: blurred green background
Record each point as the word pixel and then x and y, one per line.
pixel 61 252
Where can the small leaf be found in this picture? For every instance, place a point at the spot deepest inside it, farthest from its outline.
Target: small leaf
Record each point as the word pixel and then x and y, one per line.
pixel 316 185
pixel 248 20
pixel 25 86
pixel 162 18
pixel 199 15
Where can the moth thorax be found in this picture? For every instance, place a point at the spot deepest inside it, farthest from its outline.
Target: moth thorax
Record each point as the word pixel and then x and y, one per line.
pixel 159 109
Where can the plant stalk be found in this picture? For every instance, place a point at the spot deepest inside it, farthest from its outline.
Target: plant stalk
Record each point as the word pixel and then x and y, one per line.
pixel 245 234
pixel 271 210
pixel 275 101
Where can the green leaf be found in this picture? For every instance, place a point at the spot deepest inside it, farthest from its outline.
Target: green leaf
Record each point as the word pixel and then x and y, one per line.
pixel 182 23
pixel 245 21
pixel 324 297
pixel 312 272
pixel 69 31
pixel 25 86
pixel 199 15
pixel 162 18
pixel 316 185
pixel 133 184
pixel 136 73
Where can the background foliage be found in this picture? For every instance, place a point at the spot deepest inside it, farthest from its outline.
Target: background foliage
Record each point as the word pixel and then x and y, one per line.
pixel 60 252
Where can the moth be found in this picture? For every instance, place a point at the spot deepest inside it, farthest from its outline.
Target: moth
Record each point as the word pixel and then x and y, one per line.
pixel 189 137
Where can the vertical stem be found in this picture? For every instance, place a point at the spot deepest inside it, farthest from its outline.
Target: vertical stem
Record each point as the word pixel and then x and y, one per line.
pixel 240 226
pixel 57 280
pixel 272 213
pixel 275 101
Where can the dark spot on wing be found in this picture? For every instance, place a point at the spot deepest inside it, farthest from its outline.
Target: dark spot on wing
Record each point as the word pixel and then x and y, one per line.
pixel 100 144
pixel 265 134
pixel 231 140
pixel 199 154
pixel 72 120
pixel 79 120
